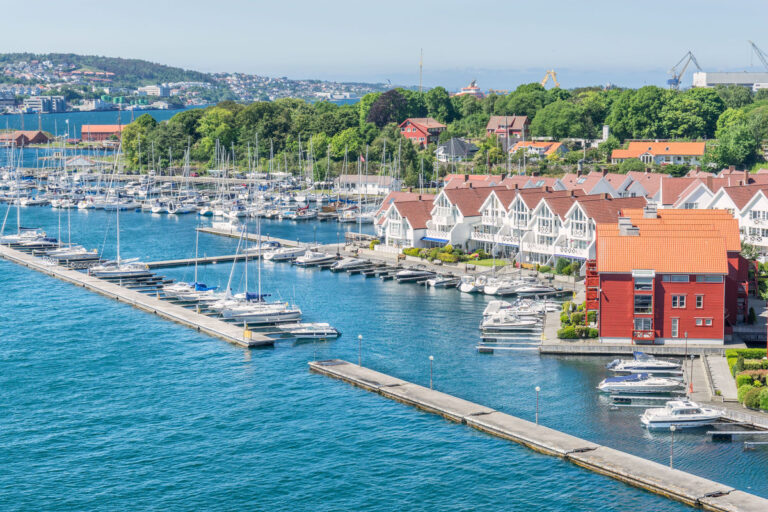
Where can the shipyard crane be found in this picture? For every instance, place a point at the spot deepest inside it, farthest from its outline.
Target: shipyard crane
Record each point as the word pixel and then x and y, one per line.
pixel 674 82
pixel 760 54
pixel 550 75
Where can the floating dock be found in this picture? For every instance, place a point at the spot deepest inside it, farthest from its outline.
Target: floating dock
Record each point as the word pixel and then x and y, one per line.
pixel 580 348
pixel 631 469
pixel 154 305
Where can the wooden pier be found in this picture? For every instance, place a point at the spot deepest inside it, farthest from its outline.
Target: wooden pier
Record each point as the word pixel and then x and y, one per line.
pixel 631 469
pixel 175 313
pixel 205 260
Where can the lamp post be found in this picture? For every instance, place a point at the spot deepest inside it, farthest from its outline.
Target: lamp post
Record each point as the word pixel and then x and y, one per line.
pixel 672 429
pixel 338 243
pixel 690 373
pixel 537 404
pixel 431 358
pixel 359 350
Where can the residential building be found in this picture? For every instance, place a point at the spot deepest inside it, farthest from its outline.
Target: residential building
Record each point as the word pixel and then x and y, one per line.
pixel 421 130
pixel 508 126
pixel 454 214
pixel 100 132
pixel 405 223
pixel 393 197
pixel 161 91
pixel 45 104
pixel 597 182
pixel 661 153
pixel 24 138
pixel 455 150
pixel 539 149
pixel 472 180
pixel 666 277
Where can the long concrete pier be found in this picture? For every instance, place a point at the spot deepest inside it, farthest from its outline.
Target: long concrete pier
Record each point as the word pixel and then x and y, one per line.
pixel 631 469
pixel 153 305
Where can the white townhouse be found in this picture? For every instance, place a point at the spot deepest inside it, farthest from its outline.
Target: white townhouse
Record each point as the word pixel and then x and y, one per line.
pixel 595 183
pixel 392 197
pixel 492 234
pixel 454 214
pixel 753 218
pixel 405 224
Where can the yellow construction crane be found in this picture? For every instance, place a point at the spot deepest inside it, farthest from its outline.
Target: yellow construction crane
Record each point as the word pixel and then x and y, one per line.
pixel 550 74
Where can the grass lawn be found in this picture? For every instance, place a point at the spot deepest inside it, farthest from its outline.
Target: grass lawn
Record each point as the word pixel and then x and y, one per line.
pixel 489 262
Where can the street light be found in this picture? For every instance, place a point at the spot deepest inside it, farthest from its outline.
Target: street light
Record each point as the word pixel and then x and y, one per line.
pixel 672 429
pixel 431 358
pixel 338 243
pixel 359 350
pixel 537 404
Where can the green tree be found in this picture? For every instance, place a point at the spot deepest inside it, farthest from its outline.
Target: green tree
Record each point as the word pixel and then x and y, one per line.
pixel 350 141
pixel 734 96
pixel 439 105
pixel 559 120
pixel 390 107
pixel 364 105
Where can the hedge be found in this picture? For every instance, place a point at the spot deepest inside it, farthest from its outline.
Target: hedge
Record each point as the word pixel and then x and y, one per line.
pixel 742 392
pixel 742 379
pixel 747 353
pixel 752 398
pixel 567 333
pixel 764 399
pixel 411 251
pixel 753 375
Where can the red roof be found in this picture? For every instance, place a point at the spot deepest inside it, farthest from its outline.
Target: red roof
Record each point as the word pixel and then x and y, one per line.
pixel 394 197
pixel 514 123
pixel 102 128
pixel 547 147
pixel 607 210
pixel 416 212
pixel 468 200
pixel 425 123
pixel 651 181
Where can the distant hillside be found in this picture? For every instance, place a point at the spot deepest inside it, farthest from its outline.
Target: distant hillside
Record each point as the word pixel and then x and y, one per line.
pixel 129 72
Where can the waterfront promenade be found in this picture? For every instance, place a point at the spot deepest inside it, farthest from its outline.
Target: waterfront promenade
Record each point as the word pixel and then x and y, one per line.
pixel 636 471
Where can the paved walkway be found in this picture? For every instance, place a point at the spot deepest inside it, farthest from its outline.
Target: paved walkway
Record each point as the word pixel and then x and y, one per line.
pixel 722 379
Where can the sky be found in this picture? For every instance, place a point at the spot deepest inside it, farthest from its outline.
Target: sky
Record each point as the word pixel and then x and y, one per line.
pixel 499 43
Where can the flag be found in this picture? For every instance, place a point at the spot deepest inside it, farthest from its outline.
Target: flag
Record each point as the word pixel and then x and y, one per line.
pixel 362 159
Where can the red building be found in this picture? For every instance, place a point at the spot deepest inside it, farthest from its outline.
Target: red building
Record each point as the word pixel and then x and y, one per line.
pixel 100 132
pixel 661 277
pixel 508 126
pixel 421 130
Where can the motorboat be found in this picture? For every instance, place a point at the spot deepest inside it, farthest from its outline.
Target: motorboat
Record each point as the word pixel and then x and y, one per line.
pixel 643 363
pixel 508 321
pixel 230 226
pixel 443 281
pixel 345 264
pixel 500 287
pixel 285 254
pixel 261 250
pixel 262 313
pixel 310 331
pixel 314 258
pixel 642 383
pixel 681 414
pixel 533 289
pixel 472 284
pixel 414 274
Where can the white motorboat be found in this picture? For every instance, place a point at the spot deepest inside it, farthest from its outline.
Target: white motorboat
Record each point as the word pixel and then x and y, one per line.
pixel 643 363
pixel 500 287
pixel 414 274
pixel 533 289
pixel 72 253
pixel 310 331
pixel 262 313
pixel 642 383
pixel 120 270
pixel 441 281
pixel 205 211
pixel 681 414
pixel 261 250
pixel 472 284
pixel 230 226
pixel 508 321
pixel 345 264
pixel 314 258
pixel 285 254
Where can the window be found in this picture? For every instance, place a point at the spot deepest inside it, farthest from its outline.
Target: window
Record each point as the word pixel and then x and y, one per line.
pixel 678 301
pixel 642 324
pixel 675 278
pixel 643 304
pixel 699 322
pixel 675 328
pixel 708 322
pixel 704 278
pixel 699 301
pixel 644 284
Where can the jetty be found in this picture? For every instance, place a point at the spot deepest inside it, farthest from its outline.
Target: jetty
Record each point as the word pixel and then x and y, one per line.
pixel 154 305
pixel 631 469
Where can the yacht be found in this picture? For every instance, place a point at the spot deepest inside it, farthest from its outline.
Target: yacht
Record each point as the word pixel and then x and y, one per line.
pixel 508 321
pixel 314 258
pixel 639 383
pixel 472 284
pixel 681 414
pixel 500 287
pixel 533 289
pixel 120 269
pixel 643 363
pixel 443 281
pixel 230 226
pixel 72 253
pixel 414 274
pixel 261 250
pixel 310 331
pixel 345 264
pixel 285 254
pixel 262 313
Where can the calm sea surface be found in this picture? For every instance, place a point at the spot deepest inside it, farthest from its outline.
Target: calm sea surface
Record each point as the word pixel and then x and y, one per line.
pixel 105 407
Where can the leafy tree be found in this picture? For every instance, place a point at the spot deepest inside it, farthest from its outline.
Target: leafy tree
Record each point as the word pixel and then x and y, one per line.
pixel 631 164
pixel 439 105
pixel 216 124
pixel 736 145
pixel 390 107
pixel 350 141
pixel 559 120
pixel 364 105
pixel 734 96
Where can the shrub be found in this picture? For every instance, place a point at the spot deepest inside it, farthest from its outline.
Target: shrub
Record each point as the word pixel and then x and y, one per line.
pixel 738 366
pixel 747 353
pixel 593 333
pixel 592 316
pixel 448 248
pixel 561 265
pixel 544 269
pixel 742 392
pixel 411 251
pixel 754 375
pixel 742 379
pixel 752 398
pixel 577 318
pixel 753 364
pixel 568 270
pixel 567 305
pixel 581 330
pixel 764 399
pixel 432 253
pixel 752 317
pixel 580 307
pixel 374 243
pixel 447 257
pixel 564 320
pixel 567 333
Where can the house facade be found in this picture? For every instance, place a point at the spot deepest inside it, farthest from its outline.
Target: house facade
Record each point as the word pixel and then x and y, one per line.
pixel 661 153
pixel 508 126
pixel 421 130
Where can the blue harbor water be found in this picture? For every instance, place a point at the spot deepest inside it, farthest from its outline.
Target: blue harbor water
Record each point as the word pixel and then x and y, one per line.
pixel 106 407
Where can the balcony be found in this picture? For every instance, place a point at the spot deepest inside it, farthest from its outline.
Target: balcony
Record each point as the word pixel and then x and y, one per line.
pixel 544 228
pixel 491 220
pixel 443 220
pixel 484 237
pixel 538 248
pixel 638 335
pixel 572 252
pixel 438 235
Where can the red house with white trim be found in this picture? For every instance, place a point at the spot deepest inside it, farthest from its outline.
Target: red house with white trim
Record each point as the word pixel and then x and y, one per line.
pixel 421 130
pixel 667 278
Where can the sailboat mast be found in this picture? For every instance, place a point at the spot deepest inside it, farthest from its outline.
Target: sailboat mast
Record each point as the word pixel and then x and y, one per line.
pixel 258 230
pixel 197 240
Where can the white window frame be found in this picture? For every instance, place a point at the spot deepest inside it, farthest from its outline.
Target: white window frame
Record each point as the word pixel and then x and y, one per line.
pixel 675 327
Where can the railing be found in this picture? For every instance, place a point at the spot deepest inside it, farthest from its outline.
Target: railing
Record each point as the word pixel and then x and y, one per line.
pixel 571 251
pixel 544 228
pixel 643 335
pixel 442 235
pixel 579 233
pixel 539 248
pixel 491 220
pixel 506 239
pixel 483 237
pixel 445 220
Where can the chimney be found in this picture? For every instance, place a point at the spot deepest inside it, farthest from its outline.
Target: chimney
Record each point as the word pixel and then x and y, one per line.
pixel 419 197
pixel 647 170
pixel 746 177
pixel 466 177
pixel 604 195
pixel 470 184
pixel 650 212
pixel 503 176
pixel 515 186
pixel 626 228
pixel 709 181
pixel 605 171
pixel 572 193
pixel 731 168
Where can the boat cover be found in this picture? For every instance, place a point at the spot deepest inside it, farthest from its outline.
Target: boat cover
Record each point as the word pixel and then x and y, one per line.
pixel 200 287
pixel 635 377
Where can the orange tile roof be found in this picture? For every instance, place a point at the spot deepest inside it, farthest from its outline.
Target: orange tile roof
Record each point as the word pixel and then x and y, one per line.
pixel 424 122
pixel 719 220
pixel 549 147
pixel 635 149
pixel 102 128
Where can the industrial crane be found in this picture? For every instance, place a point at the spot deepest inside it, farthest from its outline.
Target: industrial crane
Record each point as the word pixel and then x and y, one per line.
pixel 760 54
pixel 674 82
pixel 550 74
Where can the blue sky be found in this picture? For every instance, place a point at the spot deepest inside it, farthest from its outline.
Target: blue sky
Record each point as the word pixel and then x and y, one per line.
pixel 501 43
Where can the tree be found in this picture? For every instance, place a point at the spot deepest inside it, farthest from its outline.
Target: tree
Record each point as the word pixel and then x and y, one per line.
pixel 631 164
pixel 439 105
pixel 559 120
pixel 364 105
pixel 736 145
pixel 216 124
pixel 734 96
pixel 350 141
pixel 390 107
